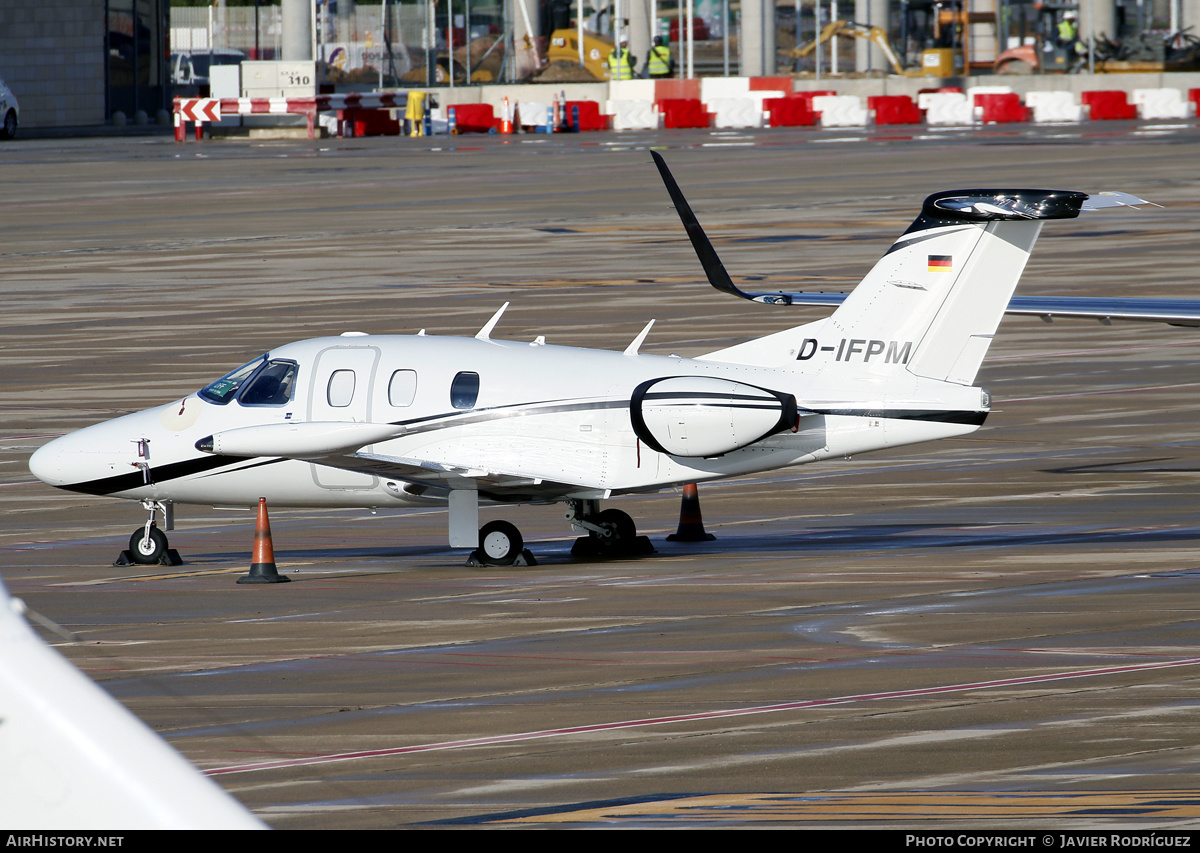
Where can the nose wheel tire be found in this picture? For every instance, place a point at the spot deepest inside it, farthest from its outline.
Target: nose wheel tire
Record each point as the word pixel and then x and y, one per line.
pixel 500 544
pixel 147 552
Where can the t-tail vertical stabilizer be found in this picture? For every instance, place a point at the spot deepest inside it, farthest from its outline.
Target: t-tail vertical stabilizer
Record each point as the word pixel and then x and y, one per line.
pixel 931 305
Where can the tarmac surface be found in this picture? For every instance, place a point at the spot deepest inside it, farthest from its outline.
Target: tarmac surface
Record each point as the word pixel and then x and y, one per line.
pixel 1001 630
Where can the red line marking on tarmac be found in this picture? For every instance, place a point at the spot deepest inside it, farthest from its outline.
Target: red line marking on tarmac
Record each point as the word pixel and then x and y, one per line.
pixel 517 737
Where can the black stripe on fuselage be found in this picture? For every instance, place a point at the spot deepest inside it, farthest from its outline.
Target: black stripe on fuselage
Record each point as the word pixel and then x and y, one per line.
pixel 161 474
pixel 942 416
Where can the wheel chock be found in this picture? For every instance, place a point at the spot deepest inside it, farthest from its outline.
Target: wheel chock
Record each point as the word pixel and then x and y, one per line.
pixel 263 570
pixel 169 557
pixel 585 548
pixel 691 524
pixel 525 558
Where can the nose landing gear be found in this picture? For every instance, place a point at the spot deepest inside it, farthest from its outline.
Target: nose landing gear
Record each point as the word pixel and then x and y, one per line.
pixel 148 545
pixel 500 544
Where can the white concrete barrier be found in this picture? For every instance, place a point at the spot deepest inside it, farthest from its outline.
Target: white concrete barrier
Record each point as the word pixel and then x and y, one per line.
pixel 634 114
pixel 712 88
pixel 735 112
pixel 841 110
pixel 946 108
pixel 1161 103
pixel 631 90
pixel 532 113
pixel 1055 106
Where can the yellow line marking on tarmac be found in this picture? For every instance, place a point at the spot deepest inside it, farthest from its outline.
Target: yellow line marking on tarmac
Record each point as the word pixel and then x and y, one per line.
pixel 728 808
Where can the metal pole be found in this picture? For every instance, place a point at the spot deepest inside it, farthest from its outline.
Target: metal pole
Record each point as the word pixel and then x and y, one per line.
pixel 579 29
pixel 450 41
pixel 1091 36
pixel 467 37
pixel 725 31
pixel 833 42
pixel 817 34
pixel 691 10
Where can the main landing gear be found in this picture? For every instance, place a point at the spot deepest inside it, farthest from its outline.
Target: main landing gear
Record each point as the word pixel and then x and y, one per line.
pixel 611 534
pixel 148 545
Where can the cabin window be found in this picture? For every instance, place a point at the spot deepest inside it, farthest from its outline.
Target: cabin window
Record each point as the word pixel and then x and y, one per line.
pixel 464 390
pixel 226 388
pixel 341 388
pixel 402 388
pixel 274 385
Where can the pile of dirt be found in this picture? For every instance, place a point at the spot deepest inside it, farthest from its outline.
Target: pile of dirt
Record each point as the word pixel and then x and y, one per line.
pixel 564 72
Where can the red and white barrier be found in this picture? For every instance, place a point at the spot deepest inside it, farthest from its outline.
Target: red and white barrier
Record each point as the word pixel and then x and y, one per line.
pixel 1162 103
pixel 1056 106
pixel 201 110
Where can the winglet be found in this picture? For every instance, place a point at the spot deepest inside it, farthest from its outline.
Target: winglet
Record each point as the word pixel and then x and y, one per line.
pixel 632 349
pixel 484 334
pixel 1101 200
pixel 713 268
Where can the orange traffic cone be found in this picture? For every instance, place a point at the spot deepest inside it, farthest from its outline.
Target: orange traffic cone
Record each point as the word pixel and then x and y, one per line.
pixel 262 570
pixel 691 525
pixel 506 117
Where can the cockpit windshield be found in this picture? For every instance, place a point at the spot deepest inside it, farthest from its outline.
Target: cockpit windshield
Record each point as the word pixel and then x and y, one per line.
pixel 226 388
pixel 271 386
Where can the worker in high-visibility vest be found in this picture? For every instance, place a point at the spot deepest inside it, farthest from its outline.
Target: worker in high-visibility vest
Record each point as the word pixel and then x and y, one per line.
pixel 659 63
pixel 1068 30
pixel 621 62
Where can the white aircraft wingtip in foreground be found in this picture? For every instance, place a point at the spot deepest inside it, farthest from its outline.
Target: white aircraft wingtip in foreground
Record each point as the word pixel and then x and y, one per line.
pixel 75 758
pixel 401 420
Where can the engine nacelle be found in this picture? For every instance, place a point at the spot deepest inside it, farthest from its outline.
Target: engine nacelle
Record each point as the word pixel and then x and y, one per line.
pixel 704 416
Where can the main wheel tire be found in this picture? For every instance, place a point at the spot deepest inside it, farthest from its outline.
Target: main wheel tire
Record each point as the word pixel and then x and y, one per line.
pixel 147 553
pixel 500 543
pixel 10 124
pixel 621 530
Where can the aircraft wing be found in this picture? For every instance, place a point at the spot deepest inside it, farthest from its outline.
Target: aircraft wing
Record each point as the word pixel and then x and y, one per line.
pixel 340 445
pixel 496 485
pixel 1173 312
pixel 75 758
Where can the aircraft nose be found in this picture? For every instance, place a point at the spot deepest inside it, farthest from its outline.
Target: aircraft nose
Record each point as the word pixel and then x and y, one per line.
pixel 48 463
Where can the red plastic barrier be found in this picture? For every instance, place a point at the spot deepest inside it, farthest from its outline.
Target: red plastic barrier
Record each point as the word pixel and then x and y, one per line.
pixel 475 118
pixel 1108 105
pixel 589 115
pixel 373 123
pixel 789 112
pixel 771 84
pixel 678 88
pixel 894 109
pixel 683 112
pixel 807 97
pixel 1002 109
pixel 699 29
pixel 1194 97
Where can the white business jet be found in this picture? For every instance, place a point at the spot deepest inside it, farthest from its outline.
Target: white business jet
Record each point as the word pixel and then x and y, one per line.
pixel 402 420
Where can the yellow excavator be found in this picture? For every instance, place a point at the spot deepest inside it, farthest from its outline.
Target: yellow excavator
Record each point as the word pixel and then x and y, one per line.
pixel 564 48
pixel 875 35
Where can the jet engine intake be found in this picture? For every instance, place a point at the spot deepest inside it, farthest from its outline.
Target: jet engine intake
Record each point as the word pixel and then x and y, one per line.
pixel 698 416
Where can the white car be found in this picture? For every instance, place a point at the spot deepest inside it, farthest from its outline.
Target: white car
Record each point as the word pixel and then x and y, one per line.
pixel 10 111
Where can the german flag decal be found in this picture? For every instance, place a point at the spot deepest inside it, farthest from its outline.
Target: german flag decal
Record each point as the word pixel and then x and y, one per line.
pixel 941 263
